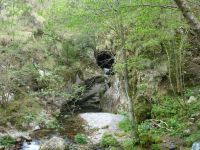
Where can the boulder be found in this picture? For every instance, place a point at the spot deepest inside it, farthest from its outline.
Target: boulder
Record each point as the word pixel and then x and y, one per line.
pixel 54 143
pixel 192 99
pixel 96 124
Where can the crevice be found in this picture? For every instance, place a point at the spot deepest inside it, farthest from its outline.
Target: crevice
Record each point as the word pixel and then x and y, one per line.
pixel 105 60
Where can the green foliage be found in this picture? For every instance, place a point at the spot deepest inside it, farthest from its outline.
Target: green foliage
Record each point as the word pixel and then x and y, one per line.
pixel 125 125
pixel 80 139
pixel 7 141
pixel 128 144
pixel 19 112
pixel 53 124
pixel 108 140
pixel 167 106
pixel 193 138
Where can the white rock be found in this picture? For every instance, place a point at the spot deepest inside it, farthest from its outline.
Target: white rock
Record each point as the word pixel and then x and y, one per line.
pixel 192 99
pixel 101 123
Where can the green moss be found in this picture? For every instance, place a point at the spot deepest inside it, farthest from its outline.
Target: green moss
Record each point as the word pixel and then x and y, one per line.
pixel 108 140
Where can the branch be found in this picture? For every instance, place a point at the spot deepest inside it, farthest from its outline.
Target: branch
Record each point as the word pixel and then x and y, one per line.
pixel 151 5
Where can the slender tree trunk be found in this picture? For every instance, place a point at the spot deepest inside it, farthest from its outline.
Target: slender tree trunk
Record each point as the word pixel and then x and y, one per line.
pixel 126 81
pixel 189 16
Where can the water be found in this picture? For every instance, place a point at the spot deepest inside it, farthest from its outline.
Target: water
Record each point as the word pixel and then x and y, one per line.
pixel 196 146
pixel 33 145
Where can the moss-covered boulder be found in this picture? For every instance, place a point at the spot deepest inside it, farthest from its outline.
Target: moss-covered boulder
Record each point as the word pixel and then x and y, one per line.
pixel 54 143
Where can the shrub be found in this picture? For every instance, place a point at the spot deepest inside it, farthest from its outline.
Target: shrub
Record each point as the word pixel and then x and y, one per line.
pixel 125 125
pixel 128 144
pixel 80 139
pixel 7 141
pixel 108 140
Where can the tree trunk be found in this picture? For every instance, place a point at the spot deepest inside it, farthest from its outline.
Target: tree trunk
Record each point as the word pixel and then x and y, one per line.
pixel 189 16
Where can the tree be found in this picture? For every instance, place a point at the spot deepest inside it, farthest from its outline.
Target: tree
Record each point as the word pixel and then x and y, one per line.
pixel 189 16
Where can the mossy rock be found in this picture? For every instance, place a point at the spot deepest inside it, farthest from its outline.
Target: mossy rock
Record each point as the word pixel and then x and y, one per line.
pixel 54 143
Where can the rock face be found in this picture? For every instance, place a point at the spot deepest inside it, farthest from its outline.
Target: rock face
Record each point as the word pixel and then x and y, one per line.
pixel 114 99
pixel 54 143
pixel 89 100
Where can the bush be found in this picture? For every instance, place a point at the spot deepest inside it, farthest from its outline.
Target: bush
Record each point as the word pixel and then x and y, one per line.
pixel 128 144
pixel 7 141
pixel 125 125
pixel 108 140
pixel 80 139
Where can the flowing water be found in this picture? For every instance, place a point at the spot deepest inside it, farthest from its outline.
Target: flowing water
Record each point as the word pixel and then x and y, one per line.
pixel 33 145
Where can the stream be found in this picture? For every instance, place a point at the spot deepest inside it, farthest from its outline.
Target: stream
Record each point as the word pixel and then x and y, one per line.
pixel 33 145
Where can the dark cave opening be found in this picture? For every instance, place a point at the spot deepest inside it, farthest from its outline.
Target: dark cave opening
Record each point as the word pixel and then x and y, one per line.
pixel 105 60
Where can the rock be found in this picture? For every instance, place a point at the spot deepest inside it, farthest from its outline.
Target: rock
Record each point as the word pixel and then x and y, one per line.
pixel 172 146
pixel 9 124
pixel 196 146
pixel 99 123
pixel 192 120
pixel 187 132
pixel 196 115
pixel 36 128
pixel 27 138
pixel 192 99
pixel 54 143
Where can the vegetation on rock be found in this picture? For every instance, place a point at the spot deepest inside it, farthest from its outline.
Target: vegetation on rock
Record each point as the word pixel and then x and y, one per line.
pixel 47 60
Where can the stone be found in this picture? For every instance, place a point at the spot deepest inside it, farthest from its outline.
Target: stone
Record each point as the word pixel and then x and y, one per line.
pixel 99 123
pixel 191 99
pixel 54 143
pixel 172 146
pixel 9 124
pixel 187 131
pixel 192 120
pixel 196 146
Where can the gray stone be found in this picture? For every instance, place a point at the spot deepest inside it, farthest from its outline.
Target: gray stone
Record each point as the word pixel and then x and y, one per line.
pixel 172 146
pixel 196 146
pixel 54 143
pixel 191 99
pixel 187 131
